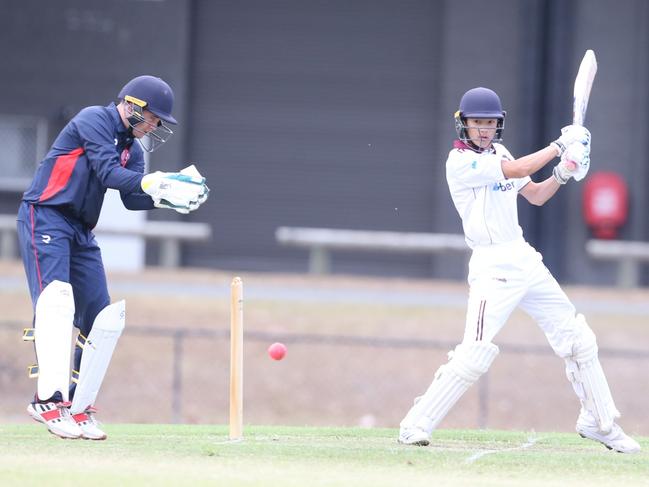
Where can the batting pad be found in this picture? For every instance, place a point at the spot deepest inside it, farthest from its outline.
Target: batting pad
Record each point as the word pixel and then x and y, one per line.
pixel 52 338
pixel 467 363
pixel 585 373
pixel 97 352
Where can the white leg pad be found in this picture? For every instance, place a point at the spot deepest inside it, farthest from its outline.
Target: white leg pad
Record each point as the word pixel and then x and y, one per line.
pixel 97 353
pixel 53 324
pixel 467 363
pixel 587 377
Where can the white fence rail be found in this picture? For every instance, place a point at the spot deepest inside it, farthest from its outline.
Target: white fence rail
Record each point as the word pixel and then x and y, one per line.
pixel 170 234
pixel 322 241
pixel 630 255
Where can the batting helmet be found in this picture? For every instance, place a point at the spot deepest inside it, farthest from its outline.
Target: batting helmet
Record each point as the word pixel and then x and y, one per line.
pixel 480 103
pixel 156 95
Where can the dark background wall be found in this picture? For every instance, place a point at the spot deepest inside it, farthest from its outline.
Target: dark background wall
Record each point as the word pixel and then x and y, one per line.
pixel 339 113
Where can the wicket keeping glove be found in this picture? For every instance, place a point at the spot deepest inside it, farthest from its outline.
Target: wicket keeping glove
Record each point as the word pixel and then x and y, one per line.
pixel 183 191
pixel 192 171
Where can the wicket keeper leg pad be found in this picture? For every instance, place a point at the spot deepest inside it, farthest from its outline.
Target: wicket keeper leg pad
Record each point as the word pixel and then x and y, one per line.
pixel 97 352
pixel 53 325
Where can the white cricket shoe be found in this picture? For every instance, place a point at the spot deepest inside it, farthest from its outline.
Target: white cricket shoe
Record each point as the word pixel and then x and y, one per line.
pixel 89 425
pixel 56 416
pixel 413 436
pixel 616 439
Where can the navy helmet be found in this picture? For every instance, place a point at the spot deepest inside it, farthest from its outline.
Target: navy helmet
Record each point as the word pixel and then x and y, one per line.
pixel 479 103
pixel 152 94
pixel 158 97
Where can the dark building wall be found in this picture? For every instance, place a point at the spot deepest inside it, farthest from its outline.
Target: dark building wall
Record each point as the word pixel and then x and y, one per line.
pixel 316 114
pixel 339 113
pixel 59 57
pixel 618 118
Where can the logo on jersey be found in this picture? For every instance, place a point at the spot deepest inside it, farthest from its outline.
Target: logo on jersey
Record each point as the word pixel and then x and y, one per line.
pixel 500 186
pixel 126 154
pixel 46 238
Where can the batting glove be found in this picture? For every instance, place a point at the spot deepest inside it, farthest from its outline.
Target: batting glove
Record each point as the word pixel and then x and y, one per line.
pixel 570 134
pixel 574 163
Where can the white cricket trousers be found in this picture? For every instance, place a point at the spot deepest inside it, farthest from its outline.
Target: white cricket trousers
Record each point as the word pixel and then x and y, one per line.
pixel 504 276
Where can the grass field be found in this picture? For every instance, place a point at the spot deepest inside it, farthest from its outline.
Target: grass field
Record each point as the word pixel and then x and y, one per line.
pixel 292 456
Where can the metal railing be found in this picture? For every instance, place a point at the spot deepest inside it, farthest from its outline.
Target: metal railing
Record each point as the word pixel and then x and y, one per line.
pixel 178 336
pixel 170 235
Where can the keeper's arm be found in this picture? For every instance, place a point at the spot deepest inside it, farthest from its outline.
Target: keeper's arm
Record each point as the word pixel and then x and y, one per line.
pixel 137 201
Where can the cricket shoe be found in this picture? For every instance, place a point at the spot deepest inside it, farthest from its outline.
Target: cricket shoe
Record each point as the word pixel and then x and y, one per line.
pixel 616 439
pixel 56 416
pixel 413 436
pixel 89 425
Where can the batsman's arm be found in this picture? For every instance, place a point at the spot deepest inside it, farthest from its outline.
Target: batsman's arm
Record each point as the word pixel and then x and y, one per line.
pixel 529 164
pixel 538 193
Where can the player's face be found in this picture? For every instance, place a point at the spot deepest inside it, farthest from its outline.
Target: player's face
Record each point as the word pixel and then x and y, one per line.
pixel 149 124
pixel 481 131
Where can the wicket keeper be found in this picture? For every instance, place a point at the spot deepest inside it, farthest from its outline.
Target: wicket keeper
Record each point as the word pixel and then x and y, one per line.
pixel 95 151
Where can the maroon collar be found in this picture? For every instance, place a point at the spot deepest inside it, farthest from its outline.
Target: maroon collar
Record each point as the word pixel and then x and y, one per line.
pixel 460 144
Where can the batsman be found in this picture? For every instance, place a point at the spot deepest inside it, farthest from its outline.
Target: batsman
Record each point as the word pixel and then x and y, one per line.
pixel 95 151
pixel 506 272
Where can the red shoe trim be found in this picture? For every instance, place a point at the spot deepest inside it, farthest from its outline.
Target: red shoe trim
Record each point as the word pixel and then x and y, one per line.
pixel 80 417
pixel 51 414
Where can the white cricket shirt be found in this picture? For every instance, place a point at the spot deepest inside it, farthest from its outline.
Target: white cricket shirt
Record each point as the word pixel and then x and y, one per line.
pixel 484 198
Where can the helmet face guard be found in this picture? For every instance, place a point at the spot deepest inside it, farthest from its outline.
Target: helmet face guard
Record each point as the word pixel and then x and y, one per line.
pixel 480 103
pixel 461 127
pixel 156 96
pixel 152 139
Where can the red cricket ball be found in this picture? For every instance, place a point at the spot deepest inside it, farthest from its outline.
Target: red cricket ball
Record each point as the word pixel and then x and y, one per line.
pixel 277 351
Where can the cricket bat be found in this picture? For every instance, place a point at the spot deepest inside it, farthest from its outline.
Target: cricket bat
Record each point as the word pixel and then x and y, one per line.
pixel 583 85
pixel 581 93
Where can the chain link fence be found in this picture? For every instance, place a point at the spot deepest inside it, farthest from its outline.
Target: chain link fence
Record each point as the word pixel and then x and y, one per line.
pixel 181 375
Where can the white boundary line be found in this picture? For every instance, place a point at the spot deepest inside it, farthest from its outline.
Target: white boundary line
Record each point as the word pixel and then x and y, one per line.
pixel 478 455
pixel 229 442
